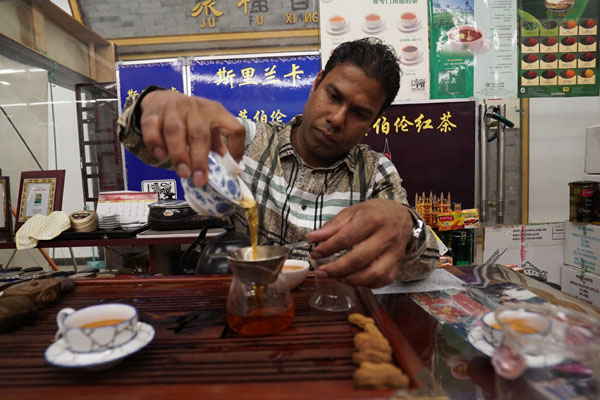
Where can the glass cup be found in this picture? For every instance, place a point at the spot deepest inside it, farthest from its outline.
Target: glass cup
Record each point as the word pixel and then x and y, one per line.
pixel 331 294
pixel 563 360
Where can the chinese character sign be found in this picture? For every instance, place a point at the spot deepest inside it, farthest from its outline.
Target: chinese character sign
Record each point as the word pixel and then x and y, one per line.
pixel 132 79
pixel 272 89
pixel 433 147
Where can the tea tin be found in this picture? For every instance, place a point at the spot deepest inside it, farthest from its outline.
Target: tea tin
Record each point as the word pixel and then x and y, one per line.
pixel 581 200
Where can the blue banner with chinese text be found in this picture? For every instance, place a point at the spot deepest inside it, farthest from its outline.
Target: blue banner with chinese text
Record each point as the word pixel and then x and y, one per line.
pixel 265 89
pixel 133 79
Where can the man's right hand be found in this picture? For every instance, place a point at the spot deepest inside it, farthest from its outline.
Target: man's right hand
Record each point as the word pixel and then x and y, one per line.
pixel 186 128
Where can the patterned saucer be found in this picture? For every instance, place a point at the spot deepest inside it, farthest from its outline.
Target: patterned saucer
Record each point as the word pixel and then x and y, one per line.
pixel 59 355
pixel 476 338
pixel 380 28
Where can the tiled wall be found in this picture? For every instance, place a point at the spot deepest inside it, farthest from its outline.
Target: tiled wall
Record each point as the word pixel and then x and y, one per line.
pixel 138 18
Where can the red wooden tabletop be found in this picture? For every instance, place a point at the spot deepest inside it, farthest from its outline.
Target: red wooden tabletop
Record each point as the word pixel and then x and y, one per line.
pixel 194 353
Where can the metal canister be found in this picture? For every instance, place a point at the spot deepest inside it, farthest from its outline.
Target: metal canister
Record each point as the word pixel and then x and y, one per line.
pixel 581 200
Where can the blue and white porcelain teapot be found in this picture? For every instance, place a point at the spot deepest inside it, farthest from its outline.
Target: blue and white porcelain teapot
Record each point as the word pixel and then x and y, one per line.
pixel 223 193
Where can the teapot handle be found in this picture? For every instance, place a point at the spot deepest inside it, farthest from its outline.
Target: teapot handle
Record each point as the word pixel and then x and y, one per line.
pixel 184 259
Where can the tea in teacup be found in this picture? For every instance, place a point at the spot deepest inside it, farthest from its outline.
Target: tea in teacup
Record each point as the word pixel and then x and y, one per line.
pixel 97 328
pixel 409 53
pixel 104 322
pixel 372 21
pixel 408 19
pixel 292 267
pixel 337 22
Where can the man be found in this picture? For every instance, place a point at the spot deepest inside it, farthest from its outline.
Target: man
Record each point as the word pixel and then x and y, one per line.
pixel 310 176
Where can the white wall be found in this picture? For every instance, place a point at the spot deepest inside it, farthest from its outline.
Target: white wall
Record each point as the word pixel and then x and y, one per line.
pixel 556 156
pixel 67 149
pixel 24 96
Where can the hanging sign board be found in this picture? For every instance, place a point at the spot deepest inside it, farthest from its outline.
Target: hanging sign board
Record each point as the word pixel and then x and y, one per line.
pixel 262 88
pixel 433 146
pixel 268 89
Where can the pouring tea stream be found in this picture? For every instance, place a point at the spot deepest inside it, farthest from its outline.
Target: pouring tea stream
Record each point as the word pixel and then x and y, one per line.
pixel 259 301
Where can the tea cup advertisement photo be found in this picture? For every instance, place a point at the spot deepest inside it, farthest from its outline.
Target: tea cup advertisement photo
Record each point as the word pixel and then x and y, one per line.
pixel 467 38
pixel 410 53
pixel 408 20
pixel 373 23
pixel 337 22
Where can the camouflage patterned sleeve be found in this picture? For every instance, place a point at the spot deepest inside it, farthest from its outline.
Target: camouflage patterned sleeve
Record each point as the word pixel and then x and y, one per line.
pixel 130 132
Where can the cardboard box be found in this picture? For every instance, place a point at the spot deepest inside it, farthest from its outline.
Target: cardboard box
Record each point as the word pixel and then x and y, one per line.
pixel 592 150
pixel 542 245
pixel 582 246
pixel 585 287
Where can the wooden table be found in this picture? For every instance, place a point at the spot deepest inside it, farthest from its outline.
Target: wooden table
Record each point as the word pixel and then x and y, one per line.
pixel 153 245
pixel 195 355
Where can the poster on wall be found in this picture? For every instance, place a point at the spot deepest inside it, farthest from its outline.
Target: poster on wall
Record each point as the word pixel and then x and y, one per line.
pixel 558 48
pixel 132 78
pixel 433 146
pixel 260 88
pixel 454 39
pixel 402 25
pixel 495 74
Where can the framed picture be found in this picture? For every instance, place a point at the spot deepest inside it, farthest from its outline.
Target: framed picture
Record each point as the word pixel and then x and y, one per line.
pixel 40 192
pixel 5 210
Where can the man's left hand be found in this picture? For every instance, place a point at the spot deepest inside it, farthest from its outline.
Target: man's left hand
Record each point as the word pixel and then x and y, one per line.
pixel 378 232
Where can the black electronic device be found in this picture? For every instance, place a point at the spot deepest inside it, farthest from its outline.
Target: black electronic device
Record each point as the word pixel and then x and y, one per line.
pixel 169 215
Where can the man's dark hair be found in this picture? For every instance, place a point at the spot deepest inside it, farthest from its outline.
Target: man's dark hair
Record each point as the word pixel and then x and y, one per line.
pixel 376 59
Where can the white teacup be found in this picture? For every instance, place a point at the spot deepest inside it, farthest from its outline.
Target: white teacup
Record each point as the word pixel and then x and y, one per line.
pixel 410 53
pixel 337 22
pixel 526 323
pixel 295 271
pixel 408 19
pixel 97 328
pixel 372 21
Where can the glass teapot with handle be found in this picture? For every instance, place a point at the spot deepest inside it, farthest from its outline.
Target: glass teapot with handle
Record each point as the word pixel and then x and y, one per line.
pixel 259 301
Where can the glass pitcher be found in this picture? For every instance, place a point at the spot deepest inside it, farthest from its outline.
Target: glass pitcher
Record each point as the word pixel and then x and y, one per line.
pixel 562 362
pixel 259 301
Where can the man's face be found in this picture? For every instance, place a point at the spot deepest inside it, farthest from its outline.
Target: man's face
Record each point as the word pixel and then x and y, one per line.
pixel 339 111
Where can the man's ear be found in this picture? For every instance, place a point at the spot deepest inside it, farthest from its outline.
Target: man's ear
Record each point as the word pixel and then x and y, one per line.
pixel 317 81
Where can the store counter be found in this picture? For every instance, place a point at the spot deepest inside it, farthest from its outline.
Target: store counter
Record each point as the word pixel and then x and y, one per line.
pixel 195 354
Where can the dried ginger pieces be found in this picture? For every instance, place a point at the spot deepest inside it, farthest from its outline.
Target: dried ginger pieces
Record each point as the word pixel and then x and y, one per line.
pixel 374 356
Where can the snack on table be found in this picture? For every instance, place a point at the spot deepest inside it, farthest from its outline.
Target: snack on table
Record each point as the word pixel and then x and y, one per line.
pixel 364 341
pixel 371 329
pixel 373 356
pixel 379 376
pixel 360 320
